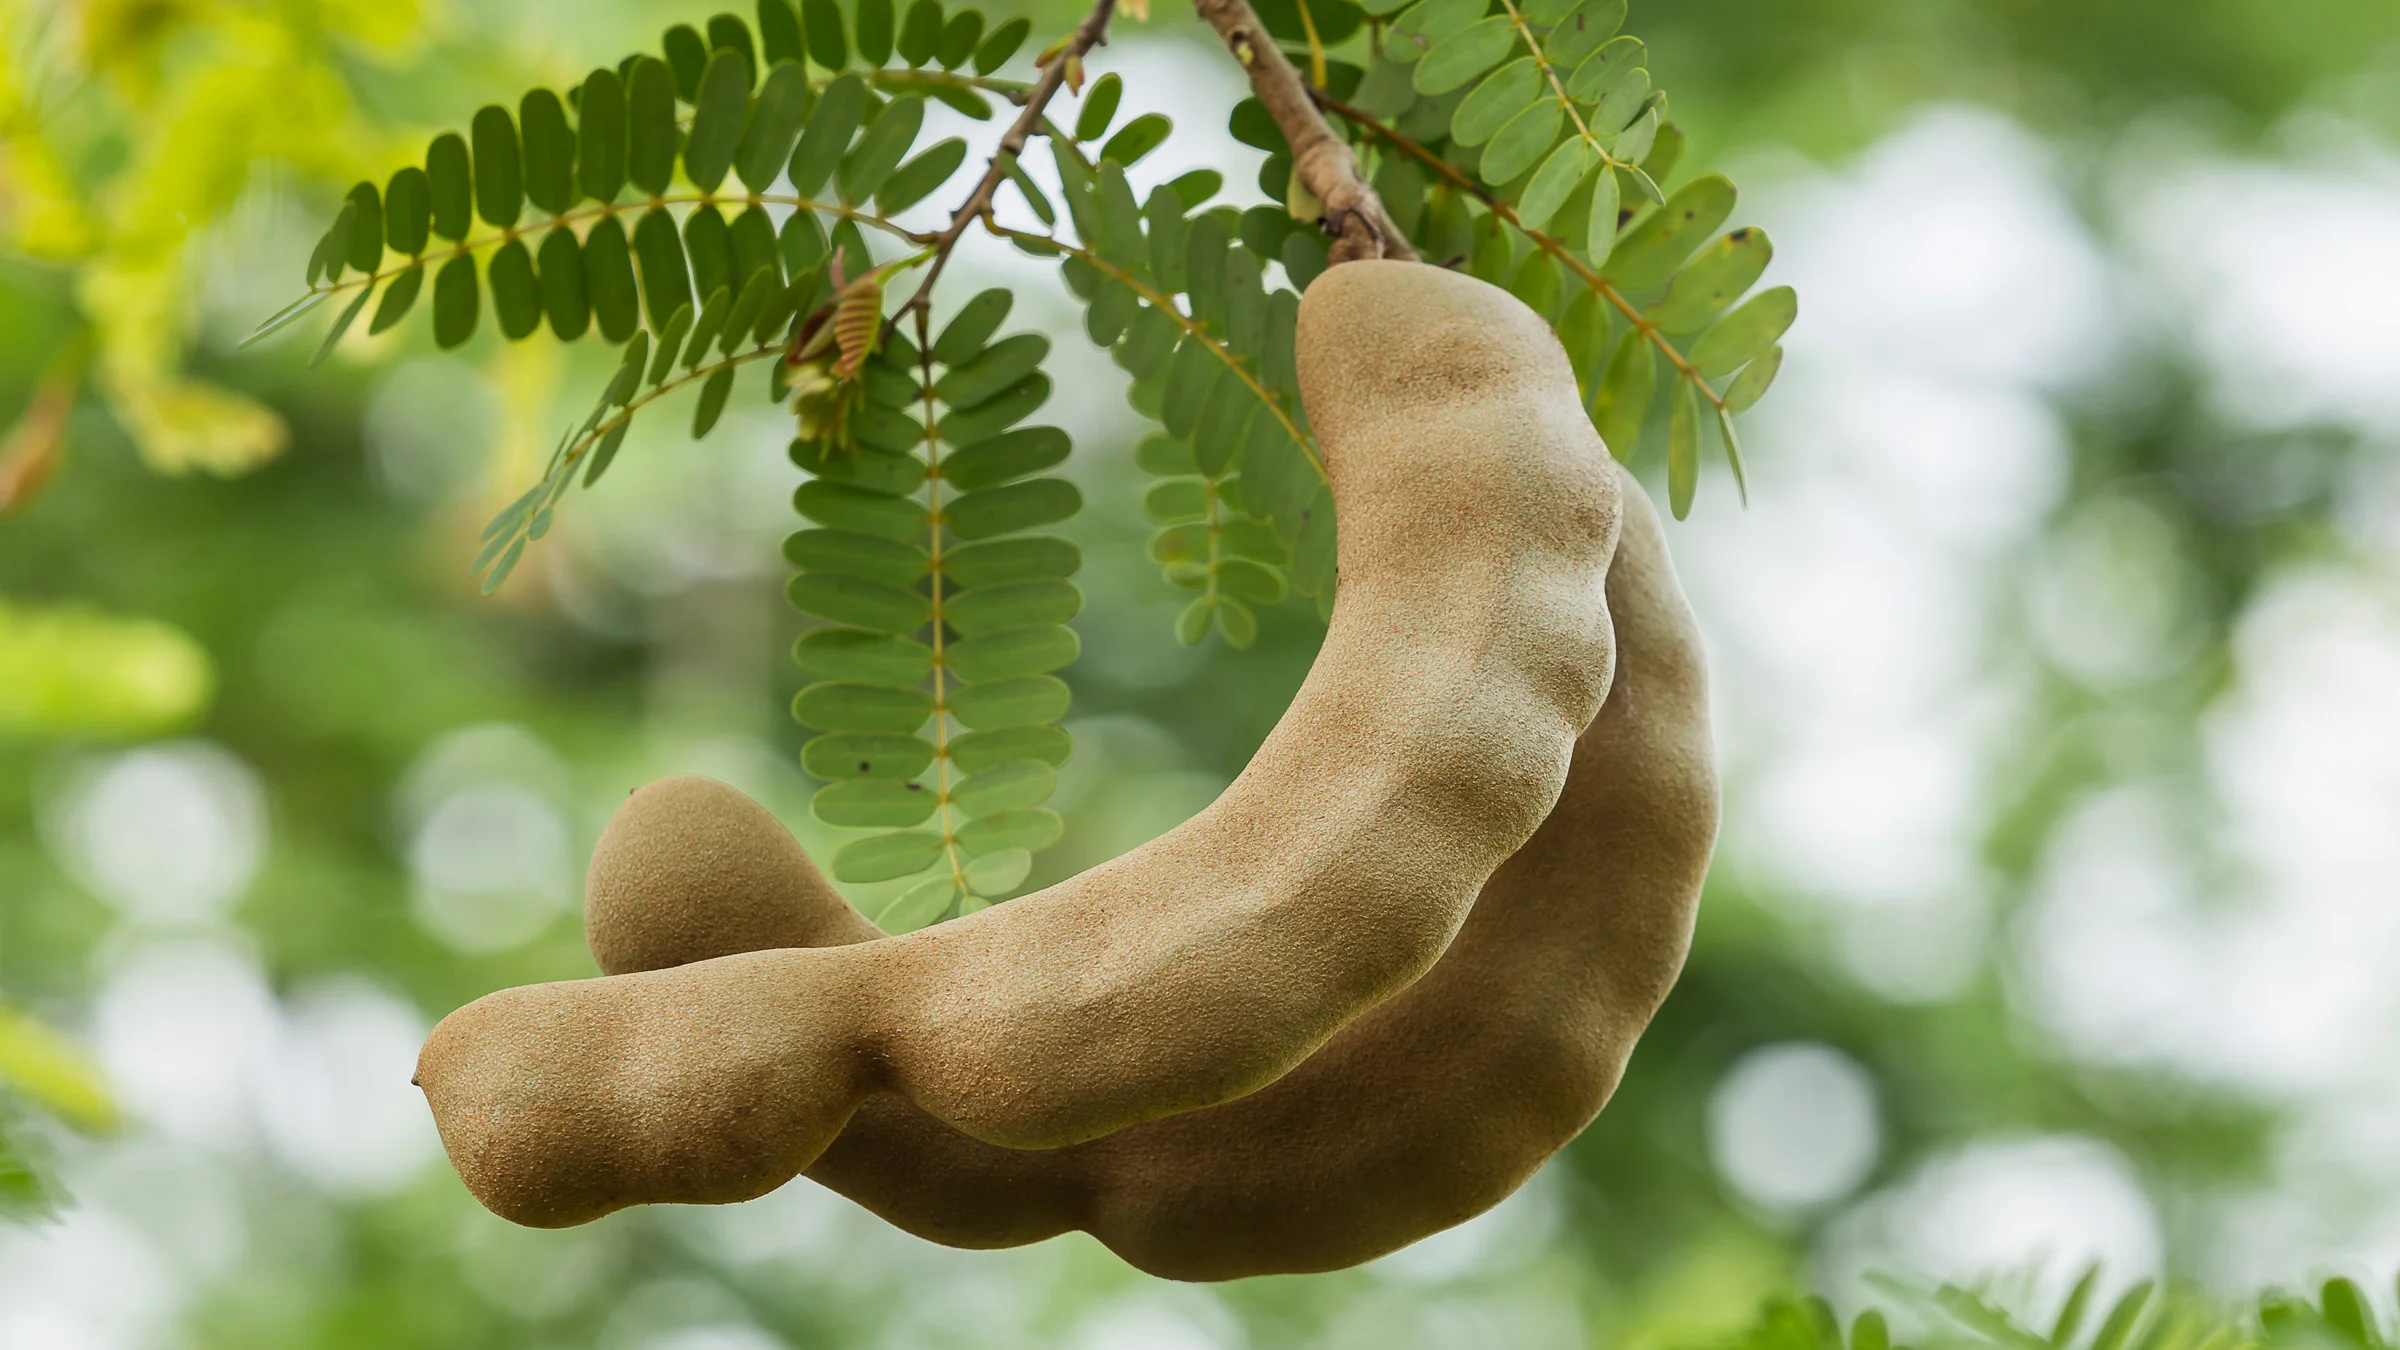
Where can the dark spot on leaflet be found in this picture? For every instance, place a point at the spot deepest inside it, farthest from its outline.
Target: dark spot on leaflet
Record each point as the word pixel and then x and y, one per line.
pixel 865 766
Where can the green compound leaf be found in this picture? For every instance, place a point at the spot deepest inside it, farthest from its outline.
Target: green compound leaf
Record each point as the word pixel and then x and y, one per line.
pixel 951 619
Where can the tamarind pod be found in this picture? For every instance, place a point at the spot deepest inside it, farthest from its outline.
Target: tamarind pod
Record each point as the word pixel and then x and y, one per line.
pixel 1427 1110
pixel 1469 646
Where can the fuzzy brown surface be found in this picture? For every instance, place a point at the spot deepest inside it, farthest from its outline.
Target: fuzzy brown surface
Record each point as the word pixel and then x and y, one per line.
pixel 1469 647
pixel 1426 1111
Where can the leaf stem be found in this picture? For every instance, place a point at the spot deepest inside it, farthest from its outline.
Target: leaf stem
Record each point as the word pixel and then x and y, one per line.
pixel 933 519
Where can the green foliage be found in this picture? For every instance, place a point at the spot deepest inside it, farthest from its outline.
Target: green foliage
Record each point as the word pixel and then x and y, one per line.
pixel 938 698
pixel 707 217
pixel 2144 1315
pixel 41 1068
pixel 1528 144
pixel 71 672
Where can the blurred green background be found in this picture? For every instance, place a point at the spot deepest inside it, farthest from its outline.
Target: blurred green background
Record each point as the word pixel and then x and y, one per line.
pixel 2058 665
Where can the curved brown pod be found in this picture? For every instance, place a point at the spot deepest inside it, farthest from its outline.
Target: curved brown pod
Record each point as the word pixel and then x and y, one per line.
pixel 1469 647
pixel 1420 1114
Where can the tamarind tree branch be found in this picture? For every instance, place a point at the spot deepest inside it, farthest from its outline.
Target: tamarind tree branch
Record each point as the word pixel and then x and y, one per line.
pixel 1063 61
pixel 1321 159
